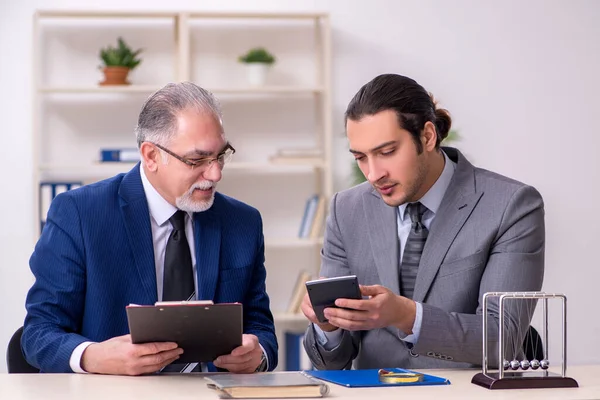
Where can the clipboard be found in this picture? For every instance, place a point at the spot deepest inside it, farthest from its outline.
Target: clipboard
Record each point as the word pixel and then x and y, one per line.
pixel 204 331
pixel 370 378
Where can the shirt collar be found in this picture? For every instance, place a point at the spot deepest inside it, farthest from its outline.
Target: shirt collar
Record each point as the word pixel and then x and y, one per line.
pixel 433 198
pixel 160 209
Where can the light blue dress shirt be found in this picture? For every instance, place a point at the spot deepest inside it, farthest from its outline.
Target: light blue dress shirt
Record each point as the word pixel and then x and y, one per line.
pixel 432 200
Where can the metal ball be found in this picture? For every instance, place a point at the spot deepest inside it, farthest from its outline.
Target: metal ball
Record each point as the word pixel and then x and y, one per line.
pixel 534 364
pixel 525 365
pixel 544 364
pixel 515 364
pixel 505 364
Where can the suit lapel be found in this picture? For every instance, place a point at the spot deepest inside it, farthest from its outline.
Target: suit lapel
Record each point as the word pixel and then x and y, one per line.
pixel 207 237
pixel 136 218
pixel 383 234
pixel 459 201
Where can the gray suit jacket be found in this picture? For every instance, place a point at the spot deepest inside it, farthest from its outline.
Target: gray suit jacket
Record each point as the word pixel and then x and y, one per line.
pixel 488 235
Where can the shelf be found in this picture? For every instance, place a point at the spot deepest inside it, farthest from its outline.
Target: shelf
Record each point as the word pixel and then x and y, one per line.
pixel 263 90
pixel 104 14
pixel 100 89
pixel 267 90
pixel 112 168
pixel 170 14
pixel 288 317
pixel 279 168
pixel 293 243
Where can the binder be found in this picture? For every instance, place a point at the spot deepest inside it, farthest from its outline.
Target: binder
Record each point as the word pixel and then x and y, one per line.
pixel 47 192
pixel 309 215
pixel 120 155
pixel 370 378
pixel 296 358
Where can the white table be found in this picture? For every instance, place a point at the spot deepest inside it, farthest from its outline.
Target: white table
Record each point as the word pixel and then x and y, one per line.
pixel 172 387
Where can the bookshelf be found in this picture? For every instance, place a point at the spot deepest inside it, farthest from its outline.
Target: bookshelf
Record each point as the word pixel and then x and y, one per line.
pixel 73 117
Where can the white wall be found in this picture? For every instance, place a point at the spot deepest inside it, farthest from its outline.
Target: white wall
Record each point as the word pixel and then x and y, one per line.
pixel 520 79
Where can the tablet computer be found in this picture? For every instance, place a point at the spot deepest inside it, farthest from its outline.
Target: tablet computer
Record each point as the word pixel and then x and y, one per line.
pixel 324 292
pixel 203 331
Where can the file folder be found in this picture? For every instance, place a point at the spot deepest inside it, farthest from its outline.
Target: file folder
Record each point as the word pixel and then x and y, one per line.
pixel 370 378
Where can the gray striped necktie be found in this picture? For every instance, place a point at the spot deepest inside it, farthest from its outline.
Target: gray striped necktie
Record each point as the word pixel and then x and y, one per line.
pixel 413 249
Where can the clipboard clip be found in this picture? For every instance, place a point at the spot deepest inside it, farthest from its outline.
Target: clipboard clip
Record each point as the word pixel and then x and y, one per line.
pixel 386 376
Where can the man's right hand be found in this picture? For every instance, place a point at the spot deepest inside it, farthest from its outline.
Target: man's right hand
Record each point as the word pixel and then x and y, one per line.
pixel 118 356
pixel 309 313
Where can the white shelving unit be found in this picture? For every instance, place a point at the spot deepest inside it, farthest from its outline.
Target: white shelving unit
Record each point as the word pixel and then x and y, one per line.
pixel 74 117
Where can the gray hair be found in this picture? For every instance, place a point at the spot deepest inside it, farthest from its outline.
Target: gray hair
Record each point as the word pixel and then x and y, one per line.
pixel 157 122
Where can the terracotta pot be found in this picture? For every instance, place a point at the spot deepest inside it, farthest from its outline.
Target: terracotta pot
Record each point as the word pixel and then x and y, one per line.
pixel 115 76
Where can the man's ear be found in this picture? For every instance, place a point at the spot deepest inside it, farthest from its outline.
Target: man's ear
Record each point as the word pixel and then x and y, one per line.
pixel 429 136
pixel 150 156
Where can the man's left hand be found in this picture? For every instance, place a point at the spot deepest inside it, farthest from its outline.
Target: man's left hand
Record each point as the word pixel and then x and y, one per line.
pixel 382 308
pixel 244 359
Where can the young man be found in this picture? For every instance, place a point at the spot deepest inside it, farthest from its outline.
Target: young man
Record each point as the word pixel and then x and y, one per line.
pixel 159 232
pixel 427 236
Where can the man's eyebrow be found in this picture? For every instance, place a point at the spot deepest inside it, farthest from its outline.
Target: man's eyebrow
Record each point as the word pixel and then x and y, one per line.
pixel 204 153
pixel 374 149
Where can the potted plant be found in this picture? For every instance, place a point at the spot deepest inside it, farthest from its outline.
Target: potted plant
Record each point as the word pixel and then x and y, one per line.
pixel 257 60
pixel 117 62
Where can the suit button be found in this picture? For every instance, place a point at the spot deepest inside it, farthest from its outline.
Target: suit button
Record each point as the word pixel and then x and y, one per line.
pixel 413 354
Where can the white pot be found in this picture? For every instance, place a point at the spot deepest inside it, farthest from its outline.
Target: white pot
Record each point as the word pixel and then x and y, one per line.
pixel 257 73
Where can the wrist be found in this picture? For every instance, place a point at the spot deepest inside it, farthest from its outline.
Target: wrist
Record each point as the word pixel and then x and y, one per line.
pixel 262 366
pixel 87 362
pixel 327 327
pixel 407 315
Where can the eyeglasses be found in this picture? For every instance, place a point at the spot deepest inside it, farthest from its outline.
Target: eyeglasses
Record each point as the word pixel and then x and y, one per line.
pixel 204 163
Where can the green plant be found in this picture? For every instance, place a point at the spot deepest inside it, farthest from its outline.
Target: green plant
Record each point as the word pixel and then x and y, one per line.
pixel 358 176
pixel 120 56
pixel 257 55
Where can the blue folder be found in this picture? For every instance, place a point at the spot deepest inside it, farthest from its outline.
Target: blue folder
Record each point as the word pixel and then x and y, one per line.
pixel 370 378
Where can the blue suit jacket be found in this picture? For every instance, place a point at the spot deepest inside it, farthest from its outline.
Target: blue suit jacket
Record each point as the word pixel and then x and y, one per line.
pixel 95 256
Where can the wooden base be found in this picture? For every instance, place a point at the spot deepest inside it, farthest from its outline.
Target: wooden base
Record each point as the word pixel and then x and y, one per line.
pixel 523 380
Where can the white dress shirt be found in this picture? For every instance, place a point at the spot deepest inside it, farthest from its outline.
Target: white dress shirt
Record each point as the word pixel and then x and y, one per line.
pixel 160 212
pixel 432 200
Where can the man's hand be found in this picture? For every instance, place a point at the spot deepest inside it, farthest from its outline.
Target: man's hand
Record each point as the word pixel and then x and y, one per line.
pixel 309 312
pixel 118 356
pixel 382 308
pixel 244 359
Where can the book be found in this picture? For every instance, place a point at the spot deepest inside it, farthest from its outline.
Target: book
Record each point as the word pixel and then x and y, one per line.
pixel 316 229
pixel 310 210
pixel 295 160
pixel 119 155
pixel 300 152
pixel 298 292
pixel 370 378
pixel 204 331
pixel 266 385
pixel 296 358
pixel 48 191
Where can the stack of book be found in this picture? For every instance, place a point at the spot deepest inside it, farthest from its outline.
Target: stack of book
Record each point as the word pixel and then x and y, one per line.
pixel 313 218
pixel 298 292
pixel 297 156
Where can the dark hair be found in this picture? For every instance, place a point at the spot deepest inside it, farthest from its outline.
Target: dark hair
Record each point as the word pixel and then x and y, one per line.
pixel 411 102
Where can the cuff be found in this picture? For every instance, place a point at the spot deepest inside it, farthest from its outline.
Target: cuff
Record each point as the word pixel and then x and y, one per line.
pixel 75 360
pixel 266 357
pixel 328 340
pixel 414 337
